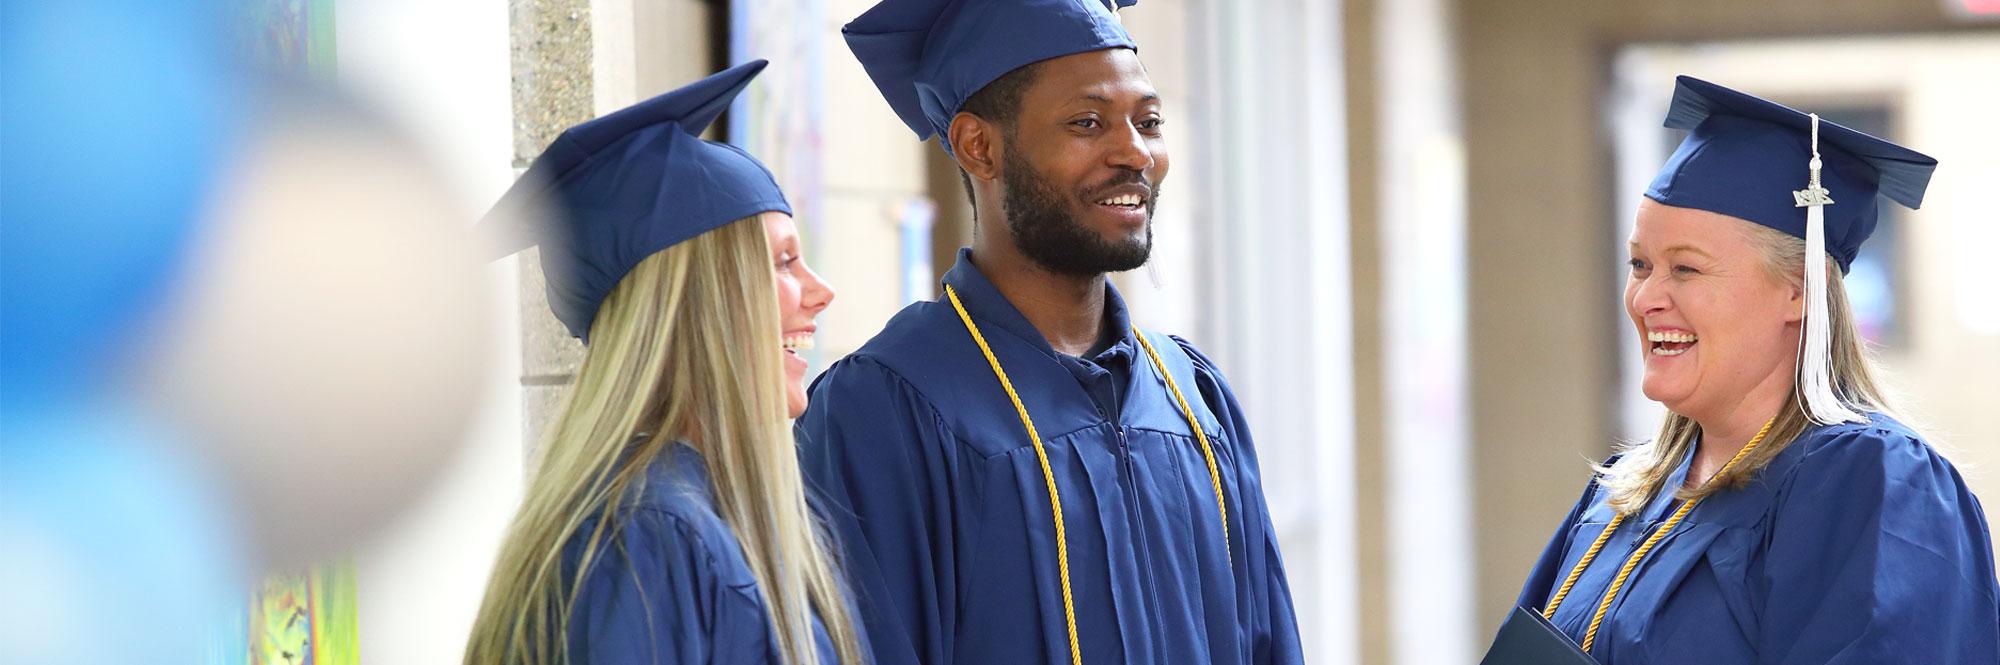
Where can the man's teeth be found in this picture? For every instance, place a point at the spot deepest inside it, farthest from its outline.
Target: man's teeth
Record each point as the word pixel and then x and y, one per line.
pixel 799 342
pixel 1128 200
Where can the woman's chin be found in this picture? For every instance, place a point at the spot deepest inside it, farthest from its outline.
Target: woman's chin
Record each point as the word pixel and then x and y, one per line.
pixel 1667 395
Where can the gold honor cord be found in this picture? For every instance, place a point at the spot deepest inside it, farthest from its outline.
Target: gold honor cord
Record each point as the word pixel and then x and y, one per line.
pixel 1041 455
pixel 1214 477
pixel 1625 572
pixel 1055 499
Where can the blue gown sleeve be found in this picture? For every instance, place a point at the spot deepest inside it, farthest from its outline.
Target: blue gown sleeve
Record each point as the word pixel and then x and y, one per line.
pixel 649 597
pixel 1878 553
pixel 878 458
pixel 1274 626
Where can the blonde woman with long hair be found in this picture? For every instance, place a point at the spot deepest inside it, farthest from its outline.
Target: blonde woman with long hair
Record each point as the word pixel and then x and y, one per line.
pixel 1783 514
pixel 666 521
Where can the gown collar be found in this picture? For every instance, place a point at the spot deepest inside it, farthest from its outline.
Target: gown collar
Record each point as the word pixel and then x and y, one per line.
pixel 985 302
pixel 1667 499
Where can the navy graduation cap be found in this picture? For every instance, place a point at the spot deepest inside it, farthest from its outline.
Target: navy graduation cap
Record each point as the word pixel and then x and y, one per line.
pixel 1771 165
pixel 928 56
pixel 629 184
pixel 1745 157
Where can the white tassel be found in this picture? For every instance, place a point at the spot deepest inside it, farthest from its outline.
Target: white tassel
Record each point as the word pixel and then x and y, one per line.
pixel 1816 390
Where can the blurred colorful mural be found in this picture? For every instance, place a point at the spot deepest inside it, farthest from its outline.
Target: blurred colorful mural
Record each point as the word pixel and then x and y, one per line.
pixel 301 617
pixel 304 619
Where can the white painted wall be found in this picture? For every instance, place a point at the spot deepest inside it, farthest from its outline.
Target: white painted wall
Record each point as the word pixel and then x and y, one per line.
pixel 440 70
pixel 1426 377
pixel 1265 185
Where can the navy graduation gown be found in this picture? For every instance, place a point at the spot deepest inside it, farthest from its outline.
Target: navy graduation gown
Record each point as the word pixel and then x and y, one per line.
pixel 673 587
pixel 937 498
pixel 1857 544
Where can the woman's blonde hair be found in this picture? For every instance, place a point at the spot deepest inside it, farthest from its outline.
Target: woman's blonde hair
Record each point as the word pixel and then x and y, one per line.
pixel 1641 471
pixel 685 348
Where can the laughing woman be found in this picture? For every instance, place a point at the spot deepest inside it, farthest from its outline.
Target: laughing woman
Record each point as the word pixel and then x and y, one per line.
pixel 1782 515
pixel 666 521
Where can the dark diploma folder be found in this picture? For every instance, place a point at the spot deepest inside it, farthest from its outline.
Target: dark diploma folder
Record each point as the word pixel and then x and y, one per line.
pixel 1529 639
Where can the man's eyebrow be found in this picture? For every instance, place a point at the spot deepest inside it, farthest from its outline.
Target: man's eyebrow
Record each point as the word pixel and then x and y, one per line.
pixel 1096 97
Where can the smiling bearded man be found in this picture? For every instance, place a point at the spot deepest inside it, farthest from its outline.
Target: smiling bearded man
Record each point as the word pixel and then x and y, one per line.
pixel 1015 472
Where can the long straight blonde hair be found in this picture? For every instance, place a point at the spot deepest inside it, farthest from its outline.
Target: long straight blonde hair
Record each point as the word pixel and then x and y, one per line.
pixel 685 348
pixel 1642 470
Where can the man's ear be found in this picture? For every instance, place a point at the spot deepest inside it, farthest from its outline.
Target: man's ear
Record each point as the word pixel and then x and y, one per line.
pixel 975 145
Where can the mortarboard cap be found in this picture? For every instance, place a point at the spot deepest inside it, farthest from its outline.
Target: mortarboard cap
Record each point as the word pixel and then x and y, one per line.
pixel 627 185
pixel 1744 156
pixel 928 56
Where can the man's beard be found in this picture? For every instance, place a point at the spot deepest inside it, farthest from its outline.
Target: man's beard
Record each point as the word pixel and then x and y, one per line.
pixel 1047 233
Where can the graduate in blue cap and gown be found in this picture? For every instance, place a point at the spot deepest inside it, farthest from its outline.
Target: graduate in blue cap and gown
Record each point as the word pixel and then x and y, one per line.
pixel 666 520
pixel 1782 515
pixel 1015 472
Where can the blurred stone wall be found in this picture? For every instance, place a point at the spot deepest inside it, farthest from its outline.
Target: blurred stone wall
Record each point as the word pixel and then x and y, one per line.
pixel 551 56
